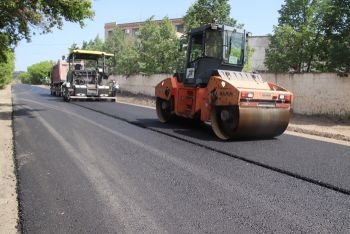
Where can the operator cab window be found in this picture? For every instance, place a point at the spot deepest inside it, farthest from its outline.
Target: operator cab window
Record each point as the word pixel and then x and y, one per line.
pixel 213 45
pixel 197 49
pixel 205 55
pixel 234 48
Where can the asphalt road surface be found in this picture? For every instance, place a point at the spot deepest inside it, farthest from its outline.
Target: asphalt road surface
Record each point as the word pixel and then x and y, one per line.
pixel 100 167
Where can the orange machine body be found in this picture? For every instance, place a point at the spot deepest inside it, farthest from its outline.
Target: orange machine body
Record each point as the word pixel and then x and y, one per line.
pixel 249 92
pixel 213 88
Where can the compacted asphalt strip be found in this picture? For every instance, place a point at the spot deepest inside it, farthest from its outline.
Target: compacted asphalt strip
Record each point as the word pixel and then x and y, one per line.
pixel 81 171
pixel 315 161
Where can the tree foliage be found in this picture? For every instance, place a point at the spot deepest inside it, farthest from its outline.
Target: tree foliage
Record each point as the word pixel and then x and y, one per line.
pixel 336 25
pixel 153 50
pixel 289 50
pixel 74 46
pixel 158 47
pixel 297 38
pixel 7 69
pixel 18 18
pixel 36 72
pixel 25 78
pixel 96 44
pixel 125 53
pixel 312 35
pixel 208 11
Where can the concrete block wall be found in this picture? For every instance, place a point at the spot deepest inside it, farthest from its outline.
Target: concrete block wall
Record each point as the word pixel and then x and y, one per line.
pixel 140 84
pixel 314 93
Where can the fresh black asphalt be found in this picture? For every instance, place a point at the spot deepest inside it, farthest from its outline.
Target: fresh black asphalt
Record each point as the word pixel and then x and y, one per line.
pixel 98 167
pixel 319 162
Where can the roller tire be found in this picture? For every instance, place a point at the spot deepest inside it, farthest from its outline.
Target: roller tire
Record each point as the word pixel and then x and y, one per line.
pixel 163 108
pixel 66 97
pixel 224 129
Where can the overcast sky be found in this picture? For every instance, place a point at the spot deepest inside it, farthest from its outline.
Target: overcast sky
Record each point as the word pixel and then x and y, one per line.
pixel 258 17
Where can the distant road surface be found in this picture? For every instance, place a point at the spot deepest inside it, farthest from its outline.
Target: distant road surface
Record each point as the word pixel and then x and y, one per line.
pixel 101 167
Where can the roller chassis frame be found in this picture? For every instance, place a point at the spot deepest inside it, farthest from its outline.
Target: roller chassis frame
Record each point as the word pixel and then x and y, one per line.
pixel 212 88
pixel 221 101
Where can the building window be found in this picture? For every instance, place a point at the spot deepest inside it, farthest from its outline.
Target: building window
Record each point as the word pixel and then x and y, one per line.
pixel 110 33
pixel 135 32
pixel 180 28
pixel 126 31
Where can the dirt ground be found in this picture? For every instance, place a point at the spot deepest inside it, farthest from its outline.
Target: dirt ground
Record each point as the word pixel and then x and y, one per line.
pixel 8 193
pixel 313 125
pixel 321 126
pixel 136 99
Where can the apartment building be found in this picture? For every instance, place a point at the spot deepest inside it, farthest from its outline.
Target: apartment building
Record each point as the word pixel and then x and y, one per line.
pixel 133 28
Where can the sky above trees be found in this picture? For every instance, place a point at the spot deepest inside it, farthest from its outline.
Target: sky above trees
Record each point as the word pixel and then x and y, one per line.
pixel 257 16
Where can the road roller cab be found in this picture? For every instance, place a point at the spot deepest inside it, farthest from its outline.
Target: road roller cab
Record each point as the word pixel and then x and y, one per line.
pixel 214 88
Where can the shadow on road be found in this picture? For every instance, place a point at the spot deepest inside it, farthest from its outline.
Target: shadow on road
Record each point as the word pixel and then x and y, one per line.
pixel 179 126
pixel 47 95
pixel 190 129
pixel 19 110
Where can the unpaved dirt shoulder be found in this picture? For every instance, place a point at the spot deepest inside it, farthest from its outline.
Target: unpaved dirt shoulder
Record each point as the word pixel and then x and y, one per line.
pixel 137 99
pixel 338 129
pixel 8 183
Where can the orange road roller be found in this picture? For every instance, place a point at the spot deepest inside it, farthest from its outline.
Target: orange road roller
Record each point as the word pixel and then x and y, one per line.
pixel 214 89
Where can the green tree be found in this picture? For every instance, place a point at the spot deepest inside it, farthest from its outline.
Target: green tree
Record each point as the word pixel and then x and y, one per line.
pixel 149 39
pixel 169 47
pixel 312 35
pixel 127 61
pixel 208 11
pixel 36 72
pixel 285 50
pixel 17 18
pixel 158 47
pixel 25 78
pixel 336 46
pixel 297 39
pixel 16 74
pixel 96 44
pixel 125 50
pixel 74 46
pixel 7 69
